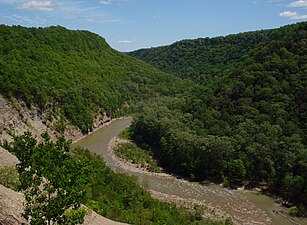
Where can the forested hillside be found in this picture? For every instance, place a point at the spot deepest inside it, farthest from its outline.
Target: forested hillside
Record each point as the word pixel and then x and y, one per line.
pixel 202 59
pixel 76 74
pixel 240 119
pixel 246 128
pixel 75 71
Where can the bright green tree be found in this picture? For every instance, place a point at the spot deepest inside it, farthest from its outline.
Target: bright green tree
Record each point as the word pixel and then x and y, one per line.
pixel 51 180
pixel 236 171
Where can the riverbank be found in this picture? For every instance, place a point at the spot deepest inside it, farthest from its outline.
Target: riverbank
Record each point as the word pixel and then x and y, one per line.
pixel 15 120
pixel 207 209
pixel 215 201
pixel 275 211
pixel 278 213
pixel 103 124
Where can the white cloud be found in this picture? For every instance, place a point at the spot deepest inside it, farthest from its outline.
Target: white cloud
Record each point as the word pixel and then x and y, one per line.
pixel 293 15
pixel 102 20
pixel 299 3
pixel 299 17
pixel 37 5
pixel 81 13
pixel 107 2
pixel 109 21
pixel 288 14
pixel 125 41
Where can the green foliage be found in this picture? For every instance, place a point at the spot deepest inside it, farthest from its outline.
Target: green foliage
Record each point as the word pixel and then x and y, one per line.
pixel 202 59
pixel 126 133
pixel 241 118
pixel 293 186
pixel 77 215
pixel 236 171
pixel 76 71
pixel 9 177
pixel 52 181
pixel 130 151
pixel 60 125
pixel 118 197
pixel 248 127
pixel 74 75
pixel 228 221
pixel 295 212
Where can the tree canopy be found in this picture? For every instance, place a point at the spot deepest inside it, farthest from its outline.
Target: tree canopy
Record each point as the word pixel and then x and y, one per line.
pixel 74 71
pixel 248 127
pixel 228 109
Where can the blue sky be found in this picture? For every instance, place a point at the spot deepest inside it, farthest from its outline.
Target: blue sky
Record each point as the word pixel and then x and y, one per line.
pixel 132 24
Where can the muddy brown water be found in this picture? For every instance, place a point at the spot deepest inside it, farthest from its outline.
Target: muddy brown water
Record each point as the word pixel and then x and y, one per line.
pixel 244 207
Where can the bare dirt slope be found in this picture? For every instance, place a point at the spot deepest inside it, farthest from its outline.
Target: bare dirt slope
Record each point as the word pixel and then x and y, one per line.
pixel 15 119
pixel 11 208
pixel 7 159
pixel 96 219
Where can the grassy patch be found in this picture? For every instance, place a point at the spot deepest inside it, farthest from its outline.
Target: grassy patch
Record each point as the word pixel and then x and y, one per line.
pixel 9 177
pixel 136 155
pixel 126 133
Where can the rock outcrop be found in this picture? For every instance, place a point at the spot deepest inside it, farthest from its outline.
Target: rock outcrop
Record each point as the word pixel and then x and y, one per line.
pixel 11 207
pixel 15 120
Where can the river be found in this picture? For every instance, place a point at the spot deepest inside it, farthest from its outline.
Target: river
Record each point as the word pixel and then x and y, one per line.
pixel 244 207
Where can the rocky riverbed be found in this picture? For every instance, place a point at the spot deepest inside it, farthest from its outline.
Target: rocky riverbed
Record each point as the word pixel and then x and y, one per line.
pixel 214 201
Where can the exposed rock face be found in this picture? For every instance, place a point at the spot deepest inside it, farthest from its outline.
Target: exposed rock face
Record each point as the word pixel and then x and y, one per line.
pixel 11 207
pixel 96 219
pixel 7 159
pixel 17 120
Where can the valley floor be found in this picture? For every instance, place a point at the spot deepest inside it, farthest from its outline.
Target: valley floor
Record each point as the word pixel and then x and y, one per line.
pixel 243 206
pixel 211 200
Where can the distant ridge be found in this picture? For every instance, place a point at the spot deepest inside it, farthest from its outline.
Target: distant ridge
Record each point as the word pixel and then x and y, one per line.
pixel 204 59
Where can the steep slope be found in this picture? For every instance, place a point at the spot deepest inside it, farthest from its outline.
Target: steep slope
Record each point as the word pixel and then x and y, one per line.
pixel 247 128
pixel 55 78
pixel 16 118
pixel 11 202
pixel 11 209
pixel 74 73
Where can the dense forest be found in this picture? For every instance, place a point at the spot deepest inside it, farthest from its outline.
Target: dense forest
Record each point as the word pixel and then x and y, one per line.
pixel 75 71
pixel 204 59
pixel 227 109
pixel 76 74
pixel 248 127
